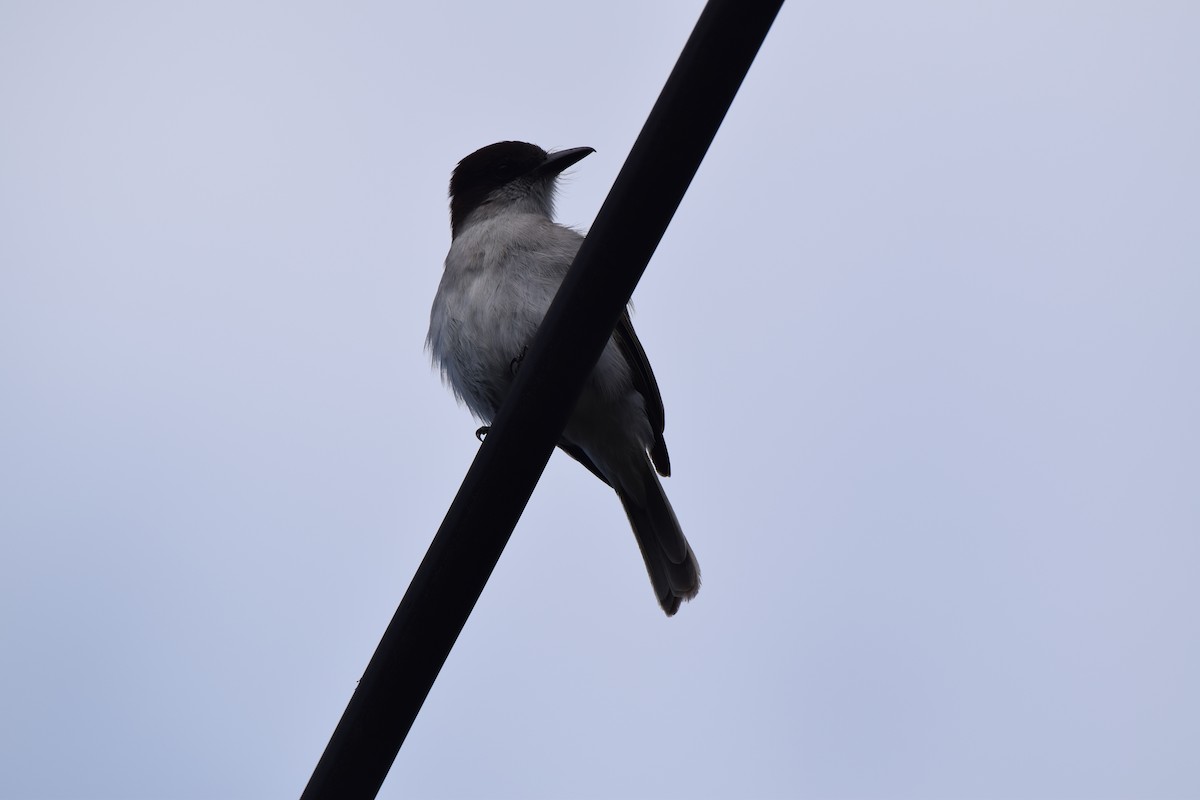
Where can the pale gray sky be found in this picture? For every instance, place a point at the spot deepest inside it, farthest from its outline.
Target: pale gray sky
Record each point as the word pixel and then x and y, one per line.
pixel 927 327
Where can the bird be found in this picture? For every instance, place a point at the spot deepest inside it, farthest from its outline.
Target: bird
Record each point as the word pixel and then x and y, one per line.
pixel 507 259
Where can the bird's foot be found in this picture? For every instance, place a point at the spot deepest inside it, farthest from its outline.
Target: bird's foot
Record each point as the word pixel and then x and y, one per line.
pixel 515 364
pixel 482 432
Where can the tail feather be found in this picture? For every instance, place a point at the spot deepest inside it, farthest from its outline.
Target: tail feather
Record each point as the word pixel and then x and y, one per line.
pixel 674 571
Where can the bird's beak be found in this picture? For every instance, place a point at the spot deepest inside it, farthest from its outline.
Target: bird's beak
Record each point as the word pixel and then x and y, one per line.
pixel 559 160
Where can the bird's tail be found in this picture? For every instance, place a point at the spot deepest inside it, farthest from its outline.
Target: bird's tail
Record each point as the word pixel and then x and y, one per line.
pixel 674 571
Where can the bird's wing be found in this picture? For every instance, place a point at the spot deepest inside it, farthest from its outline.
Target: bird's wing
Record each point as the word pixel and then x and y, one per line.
pixel 576 452
pixel 647 386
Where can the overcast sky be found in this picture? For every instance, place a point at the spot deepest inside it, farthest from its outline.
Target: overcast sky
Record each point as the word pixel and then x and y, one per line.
pixel 927 327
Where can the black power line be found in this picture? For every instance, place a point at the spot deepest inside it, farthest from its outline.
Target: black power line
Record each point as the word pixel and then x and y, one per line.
pixel 612 258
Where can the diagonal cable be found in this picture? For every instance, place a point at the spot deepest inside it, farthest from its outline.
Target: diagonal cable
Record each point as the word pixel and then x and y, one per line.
pixel 601 280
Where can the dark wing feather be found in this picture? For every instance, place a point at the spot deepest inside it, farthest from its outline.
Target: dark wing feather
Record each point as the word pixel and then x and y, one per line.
pixel 647 386
pixel 576 452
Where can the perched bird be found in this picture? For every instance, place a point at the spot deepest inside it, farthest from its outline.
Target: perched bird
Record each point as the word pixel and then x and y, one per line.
pixel 507 259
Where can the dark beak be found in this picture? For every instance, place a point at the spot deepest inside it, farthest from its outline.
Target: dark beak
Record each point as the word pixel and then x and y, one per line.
pixel 559 160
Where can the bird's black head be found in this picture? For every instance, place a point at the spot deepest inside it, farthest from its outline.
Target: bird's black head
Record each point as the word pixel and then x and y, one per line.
pixel 525 169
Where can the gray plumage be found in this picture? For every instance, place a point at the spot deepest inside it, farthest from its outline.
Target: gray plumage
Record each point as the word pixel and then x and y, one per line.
pixel 507 259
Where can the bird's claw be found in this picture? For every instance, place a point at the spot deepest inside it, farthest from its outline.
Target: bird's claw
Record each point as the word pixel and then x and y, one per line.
pixel 482 432
pixel 515 364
